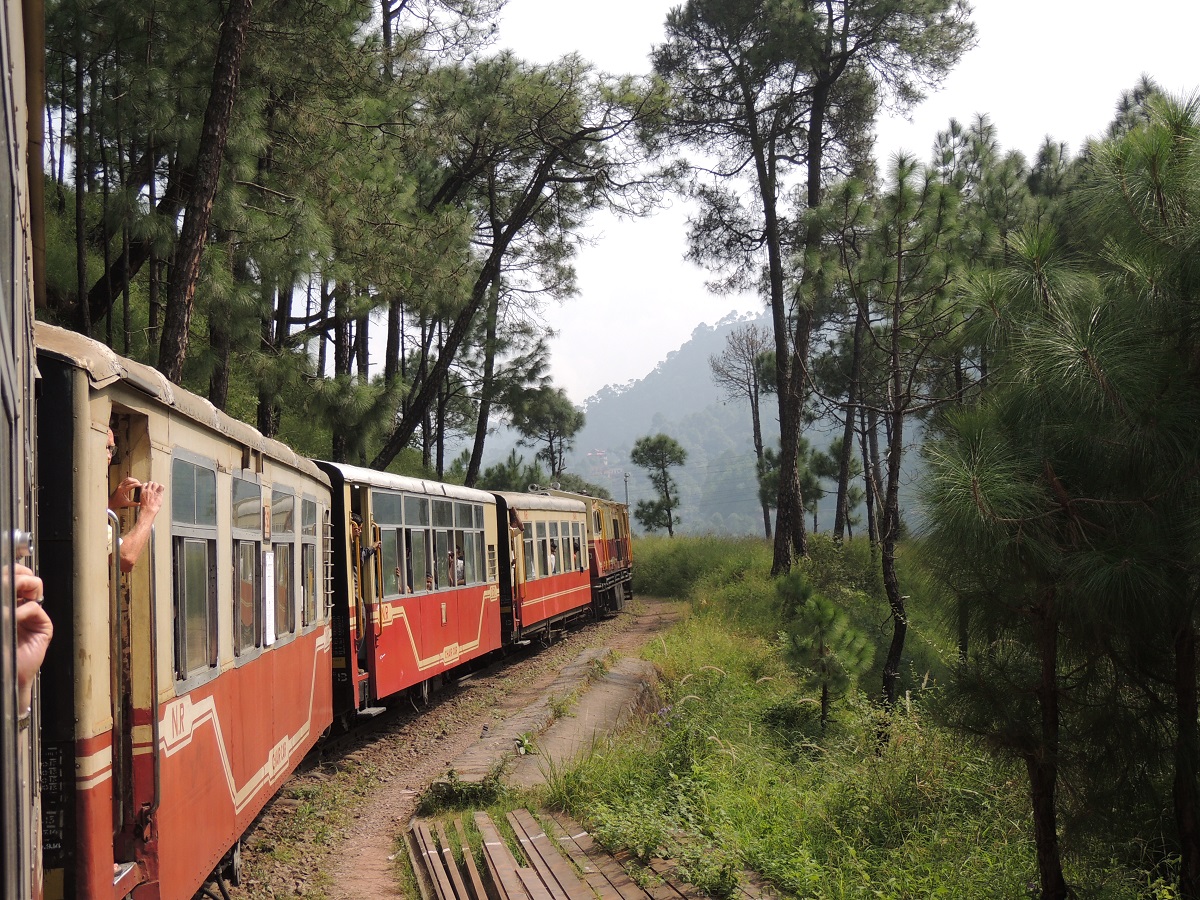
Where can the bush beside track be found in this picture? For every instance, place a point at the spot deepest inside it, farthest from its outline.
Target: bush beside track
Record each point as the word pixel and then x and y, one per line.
pixel 735 773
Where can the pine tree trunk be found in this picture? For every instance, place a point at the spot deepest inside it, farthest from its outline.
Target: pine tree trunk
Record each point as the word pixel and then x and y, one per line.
pixel 272 331
pixel 185 272
pixel 869 484
pixel 219 343
pixel 1187 746
pixel 487 388
pixel 85 317
pixel 755 395
pixel 789 504
pixel 323 346
pixel 1042 765
pixel 362 348
pixel 875 461
pixel 842 515
pixel 890 531
pixel 125 312
pixel 341 366
pixel 391 352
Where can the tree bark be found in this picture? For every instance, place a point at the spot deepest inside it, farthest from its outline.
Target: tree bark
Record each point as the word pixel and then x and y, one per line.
pixel 488 386
pixel 890 532
pixel 220 344
pixel 870 486
pixel 842 514
pixel 185 272
pixel 1042 765
pixel 755 396
pixel 1187 746
pixel 392 349
pixel 876 463
pixel 85 319
pixel 341 366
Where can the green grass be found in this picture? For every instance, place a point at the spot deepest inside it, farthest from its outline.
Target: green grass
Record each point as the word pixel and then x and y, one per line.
pixel 734 772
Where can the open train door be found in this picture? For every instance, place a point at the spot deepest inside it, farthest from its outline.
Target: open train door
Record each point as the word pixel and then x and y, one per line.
pixel 511 569
pixel 134 667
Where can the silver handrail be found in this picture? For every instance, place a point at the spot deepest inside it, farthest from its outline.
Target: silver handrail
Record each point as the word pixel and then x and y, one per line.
pixel 114 606
pixel 156 728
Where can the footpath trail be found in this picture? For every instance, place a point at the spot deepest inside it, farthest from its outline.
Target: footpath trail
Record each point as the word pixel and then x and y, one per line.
pixel 358 860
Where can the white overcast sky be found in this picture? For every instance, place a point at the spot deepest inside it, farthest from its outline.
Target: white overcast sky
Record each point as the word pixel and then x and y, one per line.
pixel 1040 67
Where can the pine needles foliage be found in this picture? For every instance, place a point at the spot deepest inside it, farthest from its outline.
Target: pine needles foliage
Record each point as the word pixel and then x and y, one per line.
pixel 735 773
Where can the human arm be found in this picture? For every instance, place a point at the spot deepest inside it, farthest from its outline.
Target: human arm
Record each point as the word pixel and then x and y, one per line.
pixel 133 543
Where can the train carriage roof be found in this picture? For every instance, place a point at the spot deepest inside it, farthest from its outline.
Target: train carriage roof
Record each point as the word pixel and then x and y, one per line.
pixel 542 502
pixel 389 481
pixel 586 498
pixel 104 367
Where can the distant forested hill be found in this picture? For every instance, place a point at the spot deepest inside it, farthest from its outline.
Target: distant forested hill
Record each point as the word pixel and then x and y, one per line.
pixel 718 488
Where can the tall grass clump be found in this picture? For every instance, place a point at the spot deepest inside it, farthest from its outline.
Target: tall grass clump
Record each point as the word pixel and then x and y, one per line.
pixel 670 567
pixel 742 769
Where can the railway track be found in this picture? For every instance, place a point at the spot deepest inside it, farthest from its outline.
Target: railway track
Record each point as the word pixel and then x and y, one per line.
pixel 366 788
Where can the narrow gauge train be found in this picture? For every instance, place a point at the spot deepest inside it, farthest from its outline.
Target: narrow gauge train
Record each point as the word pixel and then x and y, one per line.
pixel 608 536
pixel 276 595
pixel 175 698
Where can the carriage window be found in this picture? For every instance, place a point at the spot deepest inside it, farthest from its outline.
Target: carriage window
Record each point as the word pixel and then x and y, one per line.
pixel 579 545
pixel 393 575
pixel 247 503
pixel 470 551
pixel 530 571
pixel 283 539
pixel 458 553
pixel 443 555
pixel 195 571
pixel 193 494
pixel 385 508
pixel 416 511
pixel 194 556
pixel 250 627
pixel 308 560
pixel 543 551
pixel 247 623
pixel 416 557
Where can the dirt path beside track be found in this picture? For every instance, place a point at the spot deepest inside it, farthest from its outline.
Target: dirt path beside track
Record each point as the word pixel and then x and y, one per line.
pixel 355 861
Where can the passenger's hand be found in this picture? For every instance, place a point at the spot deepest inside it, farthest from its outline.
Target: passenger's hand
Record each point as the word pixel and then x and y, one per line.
pixel 27 585
pixel 122 497
pixel 34 630
pixel 152 497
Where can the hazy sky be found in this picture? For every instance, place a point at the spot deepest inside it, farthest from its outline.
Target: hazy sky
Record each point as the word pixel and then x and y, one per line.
pixel 1040 67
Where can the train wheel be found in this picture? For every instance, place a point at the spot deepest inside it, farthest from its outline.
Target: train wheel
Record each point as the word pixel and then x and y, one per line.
pixel 233 865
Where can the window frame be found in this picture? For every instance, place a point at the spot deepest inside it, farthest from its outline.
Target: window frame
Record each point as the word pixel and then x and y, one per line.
pixel 316 541
pixel 239 536
pixel 291 542
pixel 181 533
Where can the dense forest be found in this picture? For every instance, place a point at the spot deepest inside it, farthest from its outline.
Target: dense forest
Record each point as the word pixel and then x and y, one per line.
pixel 257 198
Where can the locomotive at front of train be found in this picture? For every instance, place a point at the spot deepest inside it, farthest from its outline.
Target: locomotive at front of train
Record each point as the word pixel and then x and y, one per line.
pixel 178 695
pixel 416 594
pixel 544 580
pixel 610 549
